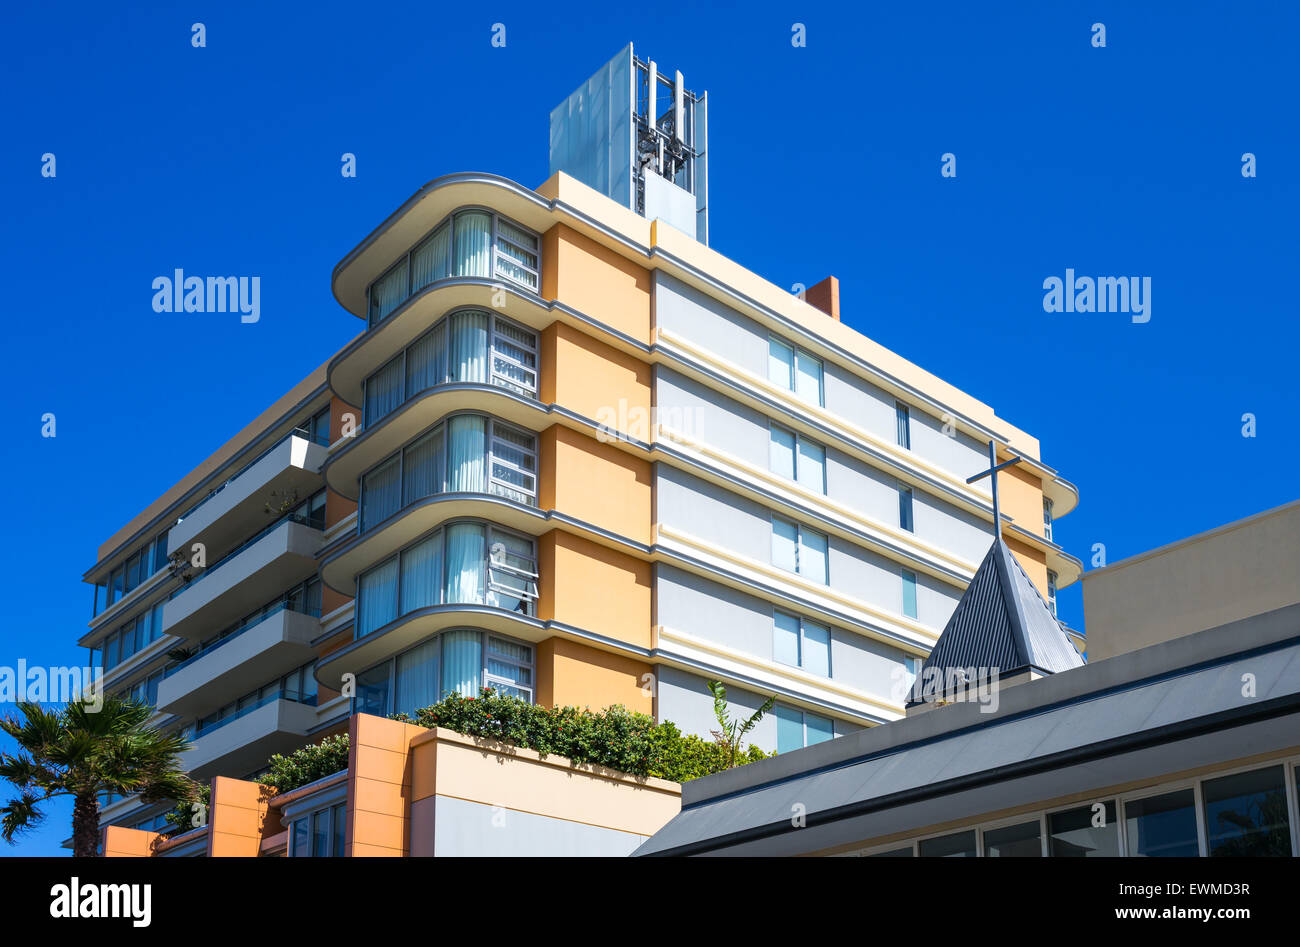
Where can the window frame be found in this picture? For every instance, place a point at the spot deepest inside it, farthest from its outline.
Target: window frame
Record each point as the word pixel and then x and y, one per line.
pixel 799 644
pixel 797 353
pixel 443 325
pixel 490 529
pixel 798 439
pixel 495 270
pixel 800 529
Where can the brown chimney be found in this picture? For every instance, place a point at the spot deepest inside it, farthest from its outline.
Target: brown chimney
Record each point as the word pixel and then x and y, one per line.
pixel 825 296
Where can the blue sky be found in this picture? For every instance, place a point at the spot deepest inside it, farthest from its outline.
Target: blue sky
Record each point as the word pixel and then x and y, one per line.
pixel 824 160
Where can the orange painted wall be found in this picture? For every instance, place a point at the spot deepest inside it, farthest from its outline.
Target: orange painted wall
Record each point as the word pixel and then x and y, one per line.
pixel 595 380
pixel 237 818
pixel 596 281
pixel 574 674
pixel 594 482
pixel 1021 496
pixel 1033 561
pixel 593 587
pixel 121 842
pixel 379 786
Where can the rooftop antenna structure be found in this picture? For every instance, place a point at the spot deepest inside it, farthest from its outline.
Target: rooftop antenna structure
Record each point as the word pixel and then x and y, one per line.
pixel 639 137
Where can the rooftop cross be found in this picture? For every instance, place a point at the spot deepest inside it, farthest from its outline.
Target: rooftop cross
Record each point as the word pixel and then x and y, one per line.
pixel 994 467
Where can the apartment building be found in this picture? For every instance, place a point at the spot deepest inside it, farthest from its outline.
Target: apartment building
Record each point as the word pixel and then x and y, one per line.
pixel 579 456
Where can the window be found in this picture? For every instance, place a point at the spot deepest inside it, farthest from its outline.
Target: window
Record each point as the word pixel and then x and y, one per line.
pixel 909 593
pixel 796 729
pixel 468 243
pixel 1051 592
pixel 468 346
pixel 796 458
pixel 957 845
pixel 340 829
pixel 160 552
pixel 1162 826
pixel 1047 518
pixel 1246 814
pixel 801 643
pixel 795 370
pixel 320 834
pixel 301 845
pixel 905 508
pixel 460 661
pixel 465 562
pixel 1086 832
pixel 1014 841
pixel 904 417
pixel 798 549
pixel 468 453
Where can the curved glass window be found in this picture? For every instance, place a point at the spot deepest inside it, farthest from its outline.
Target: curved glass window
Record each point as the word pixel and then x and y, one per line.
pixel 459 661
pixel 468 346
pixel 467 243
pixel 463 563
pixel 467 453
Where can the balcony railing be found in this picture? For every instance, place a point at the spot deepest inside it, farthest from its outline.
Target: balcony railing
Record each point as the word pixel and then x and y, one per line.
pixel 232 635
pixel 315 522
pixel 194 732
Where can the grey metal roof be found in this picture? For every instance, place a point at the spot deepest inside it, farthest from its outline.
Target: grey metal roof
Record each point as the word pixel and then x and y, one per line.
pixel 1003 622
pixel 1107 723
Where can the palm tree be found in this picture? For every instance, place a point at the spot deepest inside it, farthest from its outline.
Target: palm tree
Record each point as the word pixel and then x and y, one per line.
pixel 83 751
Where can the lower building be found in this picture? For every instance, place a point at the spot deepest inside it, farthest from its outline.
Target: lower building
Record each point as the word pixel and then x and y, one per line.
pixel 410 791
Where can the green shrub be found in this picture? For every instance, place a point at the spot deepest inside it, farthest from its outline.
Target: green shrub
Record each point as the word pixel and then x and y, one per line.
pixel 307 764
pixel 287 772
pixel 182 818
pixel 616 737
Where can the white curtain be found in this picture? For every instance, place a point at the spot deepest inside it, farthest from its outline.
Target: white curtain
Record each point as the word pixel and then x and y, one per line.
pixel 781 455
pixel 466 454
pixel 816 649
pixel 785 639
pixel 785 543
pixel 473 250
pixel 383 391
pixel 388 292
pixel 421 574
pixel 429 261
pixel 462 662
pixel 809 386
pixel 465 563
pixel 812 466
pixel 780 364
pixel 812 556
pixel 378 591
pixel 381 494
pixel 421 365
pixel 422 468
pixel 417 678
pixel 469 345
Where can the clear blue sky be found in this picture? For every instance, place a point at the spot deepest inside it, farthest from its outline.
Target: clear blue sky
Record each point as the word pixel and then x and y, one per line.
pixel 824 160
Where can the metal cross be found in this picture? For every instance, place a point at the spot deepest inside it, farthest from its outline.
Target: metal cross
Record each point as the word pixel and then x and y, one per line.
pixel 994 467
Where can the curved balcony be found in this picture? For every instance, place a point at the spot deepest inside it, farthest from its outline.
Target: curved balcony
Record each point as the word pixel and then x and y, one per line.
pixel 345 466
pixel 418 217
pixel 370 351
pixel 417 626
pixel 340 570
